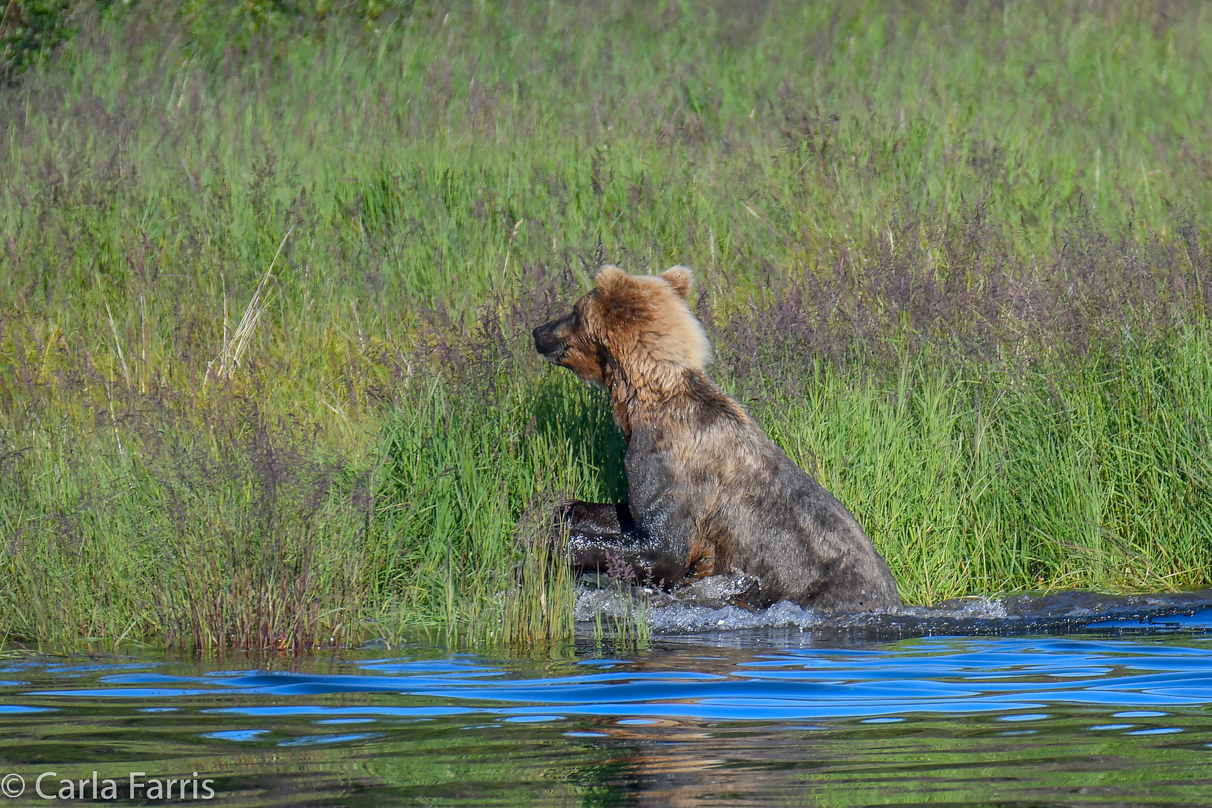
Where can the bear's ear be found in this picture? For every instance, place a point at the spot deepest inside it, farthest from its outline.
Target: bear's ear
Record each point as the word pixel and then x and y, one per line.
pixel 609 278
pixel 679 278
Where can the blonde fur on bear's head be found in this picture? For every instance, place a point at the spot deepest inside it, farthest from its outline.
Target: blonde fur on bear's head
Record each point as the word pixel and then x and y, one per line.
pixel 646 323
pixel 633 335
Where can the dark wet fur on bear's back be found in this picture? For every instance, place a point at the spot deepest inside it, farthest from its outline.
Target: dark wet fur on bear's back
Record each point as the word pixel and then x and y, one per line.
pixel 707 482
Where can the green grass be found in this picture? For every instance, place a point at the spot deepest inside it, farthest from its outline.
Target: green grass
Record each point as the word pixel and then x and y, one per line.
pixel 957 259
pixel 990 483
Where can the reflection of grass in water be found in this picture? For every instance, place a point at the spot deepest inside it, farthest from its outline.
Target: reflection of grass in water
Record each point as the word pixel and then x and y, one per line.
pixel 627 627
pixel 947 258
pixel 476 758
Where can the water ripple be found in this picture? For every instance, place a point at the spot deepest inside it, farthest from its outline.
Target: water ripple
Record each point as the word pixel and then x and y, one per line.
pixel 948 676
pixel 964 720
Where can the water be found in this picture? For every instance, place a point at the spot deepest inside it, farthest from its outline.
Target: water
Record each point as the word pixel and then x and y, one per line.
pixel 1116 712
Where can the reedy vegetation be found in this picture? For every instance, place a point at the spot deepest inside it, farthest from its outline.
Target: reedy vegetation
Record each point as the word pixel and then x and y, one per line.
pixel 955 258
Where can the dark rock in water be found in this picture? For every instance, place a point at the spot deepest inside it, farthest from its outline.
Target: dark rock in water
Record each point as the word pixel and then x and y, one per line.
pixel 718 603
pixel 1056 613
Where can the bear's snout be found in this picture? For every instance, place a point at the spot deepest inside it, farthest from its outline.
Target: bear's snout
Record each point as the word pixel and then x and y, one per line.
pixel 545 340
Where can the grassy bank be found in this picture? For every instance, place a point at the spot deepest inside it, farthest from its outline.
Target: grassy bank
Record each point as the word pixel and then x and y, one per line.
pixel 266 289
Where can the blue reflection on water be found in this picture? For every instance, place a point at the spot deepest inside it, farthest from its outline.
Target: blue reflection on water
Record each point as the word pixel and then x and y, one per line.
pixel 1023 676
pixel 762 712
pixel 236 734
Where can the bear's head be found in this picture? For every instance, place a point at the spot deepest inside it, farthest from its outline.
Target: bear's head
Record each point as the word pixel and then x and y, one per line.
pixel 634 330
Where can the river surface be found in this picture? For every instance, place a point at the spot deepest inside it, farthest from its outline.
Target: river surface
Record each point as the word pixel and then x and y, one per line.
pixel 1106 702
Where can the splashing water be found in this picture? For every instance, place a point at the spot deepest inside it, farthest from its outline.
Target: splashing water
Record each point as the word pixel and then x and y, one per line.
pixel 706 605
pixel 795 709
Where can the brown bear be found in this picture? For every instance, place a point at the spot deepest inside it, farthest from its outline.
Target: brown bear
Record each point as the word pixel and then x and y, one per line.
pixel 709 492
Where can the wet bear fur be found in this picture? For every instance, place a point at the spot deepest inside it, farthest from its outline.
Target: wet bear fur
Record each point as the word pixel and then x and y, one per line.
pixel 710 494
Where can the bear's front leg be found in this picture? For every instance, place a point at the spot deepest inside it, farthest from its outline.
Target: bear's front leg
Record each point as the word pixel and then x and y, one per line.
pixel 605 537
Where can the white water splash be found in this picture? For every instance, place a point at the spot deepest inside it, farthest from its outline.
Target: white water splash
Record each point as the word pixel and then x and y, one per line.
pixel 711 604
